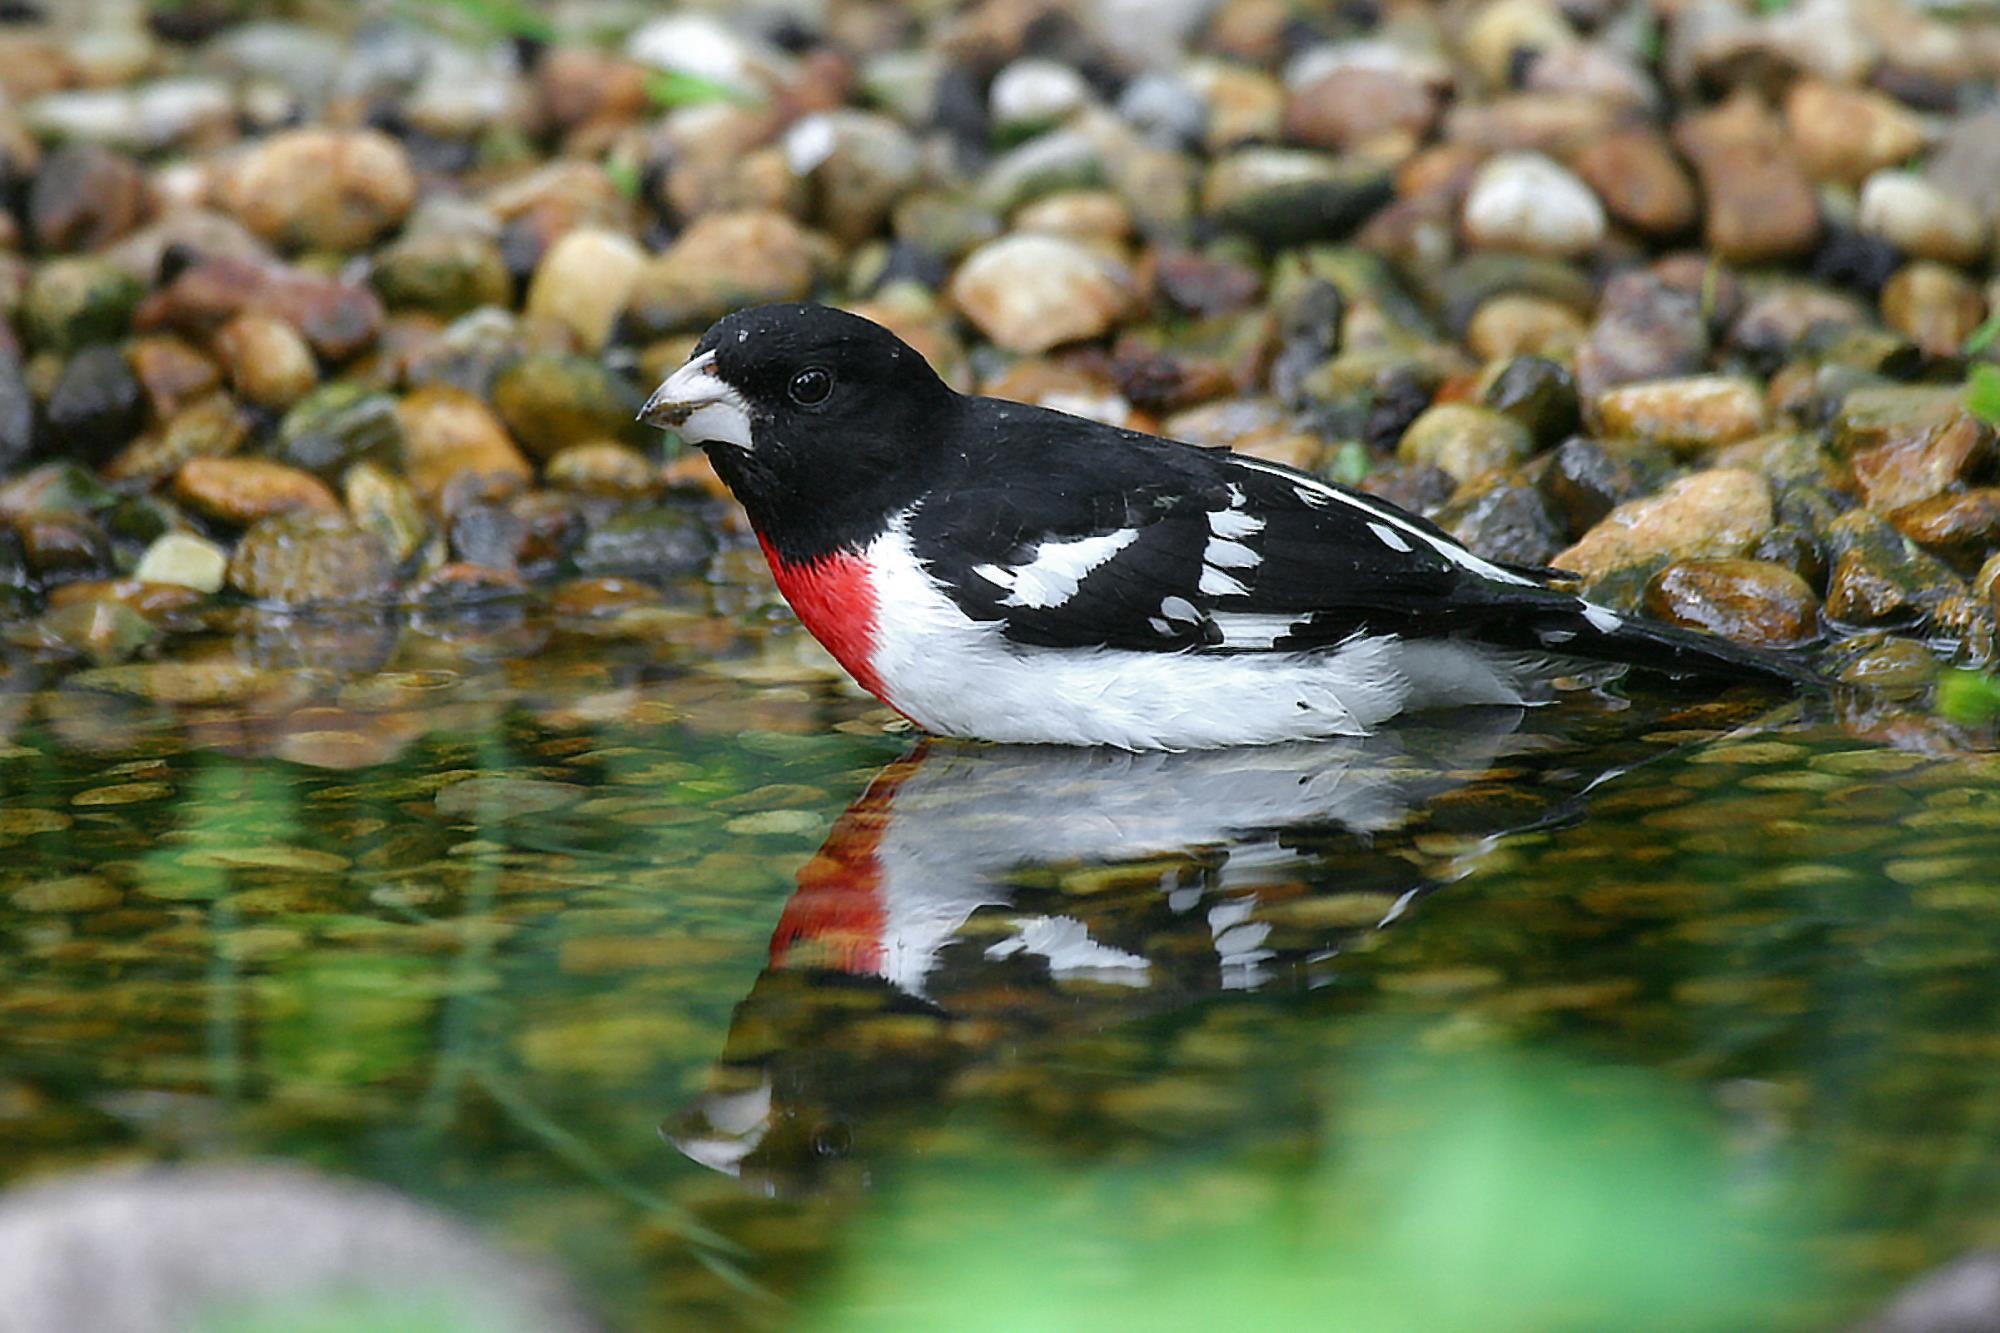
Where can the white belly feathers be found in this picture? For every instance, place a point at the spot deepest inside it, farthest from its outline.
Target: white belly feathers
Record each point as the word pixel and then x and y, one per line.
pixel 956 676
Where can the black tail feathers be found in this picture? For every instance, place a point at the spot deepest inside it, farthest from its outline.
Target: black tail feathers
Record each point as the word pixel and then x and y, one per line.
pixel 1582 629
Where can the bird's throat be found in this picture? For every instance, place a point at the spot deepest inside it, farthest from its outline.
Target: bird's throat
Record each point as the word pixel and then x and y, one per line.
pixel 834 599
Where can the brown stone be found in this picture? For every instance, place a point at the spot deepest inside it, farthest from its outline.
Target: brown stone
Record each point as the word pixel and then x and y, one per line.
pixel 1750 601
pixel 322 189
pixel 1641 182
pixel 721 262
pixel 209 428
pixel 1360 108
pixel 338 319
pixel 155 601
pixel 1721 512
pixel 243 490
pixel 1938 307
pixel 1760 206
pixel 1685 415
pixel 448 432
pixel 1961 526
pixel 1646 329
pixel 307 557
pixel 1513 324
pixel 171 371
pixel 579 84
pixel 1843 134
pixel 1532 122
pixel 1920 461
pixel 85 197
pixel 268 360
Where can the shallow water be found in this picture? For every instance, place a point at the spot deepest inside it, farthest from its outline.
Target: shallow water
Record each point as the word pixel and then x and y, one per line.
pixel 632 934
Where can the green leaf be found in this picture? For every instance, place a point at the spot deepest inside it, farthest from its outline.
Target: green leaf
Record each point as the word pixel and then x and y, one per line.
pixel 671 88
pixel 1982 394
pixel 624 176
pixel 509 18
pixel 1982 337
pixel 1968 697
pixel 1350 463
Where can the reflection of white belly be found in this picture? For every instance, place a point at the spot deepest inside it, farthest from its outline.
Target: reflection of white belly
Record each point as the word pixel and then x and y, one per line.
pixel 959 677
pixel 970 813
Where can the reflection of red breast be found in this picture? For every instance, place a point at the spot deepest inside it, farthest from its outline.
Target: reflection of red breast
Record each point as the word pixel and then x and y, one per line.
pixel 838 910
pixel 835 600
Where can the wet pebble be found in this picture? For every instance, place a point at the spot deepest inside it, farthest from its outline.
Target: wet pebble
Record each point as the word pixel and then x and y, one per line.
pixel 550 402
pixel 1640 181
pixel 1278 196
pixel 659 542
pixel 722 261
pixel 71 303
pixel 1029 292
pixel 584 282
pixel 268 362
pixel 85 197
pixel 496 797
pixel 444 270
pixel 1464 441
pixel 1686 415
pixel 449 433
pixel 310 557
pixel 1525 201
pixel 185 560
pixel 1922 220
pixel 68 893
pixel 97 405
pixel 322 189
pixel 1721 512
pixel 1750 601
pixel 243 490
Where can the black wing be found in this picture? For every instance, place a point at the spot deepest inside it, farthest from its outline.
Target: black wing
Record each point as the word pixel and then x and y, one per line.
pixel 1074 534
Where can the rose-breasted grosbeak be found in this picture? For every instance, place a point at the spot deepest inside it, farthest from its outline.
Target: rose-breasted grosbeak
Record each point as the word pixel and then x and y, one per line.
pixel 1011 573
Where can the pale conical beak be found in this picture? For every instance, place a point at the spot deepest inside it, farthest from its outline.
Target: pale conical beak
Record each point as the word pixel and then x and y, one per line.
pixel 699 404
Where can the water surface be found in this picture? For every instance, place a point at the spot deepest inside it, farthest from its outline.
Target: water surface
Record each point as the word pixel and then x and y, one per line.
pixel 632 934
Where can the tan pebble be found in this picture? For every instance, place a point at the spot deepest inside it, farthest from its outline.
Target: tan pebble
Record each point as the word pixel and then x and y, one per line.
pixel 26 822
pixel 302 859
pixel 269 361
pixel 783 823
pixel 1749 752
pixel 243 490
pixel 321 188
pixel 1843 134
pixel 72 893
pixel 122 793
pixel 1715 513
pixel 1518 325
pixel 1029 293
pixel 1686 415
pixel 449 433
pixel 584 283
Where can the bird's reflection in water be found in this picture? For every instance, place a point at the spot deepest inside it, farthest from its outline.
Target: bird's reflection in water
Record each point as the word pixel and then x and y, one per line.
pixel 979 901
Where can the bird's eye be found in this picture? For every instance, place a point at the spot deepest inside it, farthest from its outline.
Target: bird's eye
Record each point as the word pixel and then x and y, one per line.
pixel 810 386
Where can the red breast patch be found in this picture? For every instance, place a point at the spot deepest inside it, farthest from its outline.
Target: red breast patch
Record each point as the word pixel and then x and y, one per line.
pixel 836 602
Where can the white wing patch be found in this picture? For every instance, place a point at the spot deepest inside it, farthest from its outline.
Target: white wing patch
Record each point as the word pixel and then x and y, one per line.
pixel 1247 629
pixel 1215 583
pixel 1224 551
pixel 1051 578
pixel 1389 537
pixel 1233 522
pixel 1229 555
pixel 1601 620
